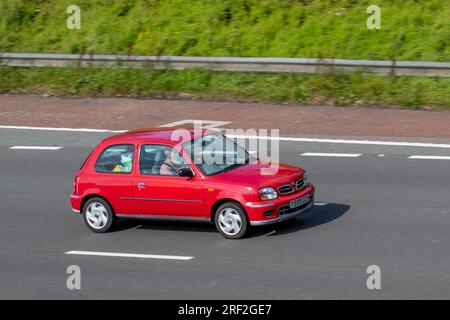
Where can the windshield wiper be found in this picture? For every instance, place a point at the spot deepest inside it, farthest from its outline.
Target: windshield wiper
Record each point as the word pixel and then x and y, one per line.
pixel 231 167
pixel 236 165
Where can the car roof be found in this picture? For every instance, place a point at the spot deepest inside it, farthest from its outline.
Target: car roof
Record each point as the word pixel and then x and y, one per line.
pixel 158 135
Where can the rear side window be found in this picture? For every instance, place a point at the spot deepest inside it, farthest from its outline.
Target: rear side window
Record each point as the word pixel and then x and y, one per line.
pixel 116 159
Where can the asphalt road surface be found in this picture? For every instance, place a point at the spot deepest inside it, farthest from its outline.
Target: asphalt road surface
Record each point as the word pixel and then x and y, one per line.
pixel 378 207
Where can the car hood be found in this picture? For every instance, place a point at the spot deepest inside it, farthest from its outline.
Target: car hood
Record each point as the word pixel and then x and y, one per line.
pixel 259 175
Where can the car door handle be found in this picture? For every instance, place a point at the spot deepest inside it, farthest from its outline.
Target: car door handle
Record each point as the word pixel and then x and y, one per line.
pixel 141 185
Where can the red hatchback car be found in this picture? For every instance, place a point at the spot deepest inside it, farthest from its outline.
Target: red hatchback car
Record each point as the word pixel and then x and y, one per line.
pixel 151 174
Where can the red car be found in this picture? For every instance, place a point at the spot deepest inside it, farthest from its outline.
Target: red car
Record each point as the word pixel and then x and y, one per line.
pixel 152 174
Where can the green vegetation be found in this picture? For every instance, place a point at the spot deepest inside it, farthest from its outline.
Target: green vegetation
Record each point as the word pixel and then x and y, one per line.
pixel 411 29
pixel 336 89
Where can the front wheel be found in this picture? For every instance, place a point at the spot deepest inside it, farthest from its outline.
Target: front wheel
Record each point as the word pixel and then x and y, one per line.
pixel 231 221
pixel 98 215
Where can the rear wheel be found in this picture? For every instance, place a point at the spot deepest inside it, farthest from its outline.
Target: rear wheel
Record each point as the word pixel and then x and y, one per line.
pixel 98 215
pixel 231 221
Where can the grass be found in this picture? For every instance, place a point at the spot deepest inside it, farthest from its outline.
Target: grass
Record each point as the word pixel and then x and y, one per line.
pixel 332 89
pixel 411 29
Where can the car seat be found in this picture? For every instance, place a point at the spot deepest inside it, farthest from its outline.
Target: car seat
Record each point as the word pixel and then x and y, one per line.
pixel 160 157
pixel 146 162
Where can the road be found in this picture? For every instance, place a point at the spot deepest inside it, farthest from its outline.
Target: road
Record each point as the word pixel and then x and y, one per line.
pixel 379 208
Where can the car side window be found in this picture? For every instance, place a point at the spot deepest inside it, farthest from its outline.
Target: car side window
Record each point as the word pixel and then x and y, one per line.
pixel 116 159
pixel 160 160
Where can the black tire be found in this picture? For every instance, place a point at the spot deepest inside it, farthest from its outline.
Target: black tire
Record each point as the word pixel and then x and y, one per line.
pixel 233 210
pixel 102 209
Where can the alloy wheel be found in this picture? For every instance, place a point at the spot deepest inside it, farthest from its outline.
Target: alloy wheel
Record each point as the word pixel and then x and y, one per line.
pixel 230 221
pixel 96 215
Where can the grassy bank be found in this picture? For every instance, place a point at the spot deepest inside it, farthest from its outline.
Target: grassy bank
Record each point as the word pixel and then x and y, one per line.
pixel 410 29
pixel 334 89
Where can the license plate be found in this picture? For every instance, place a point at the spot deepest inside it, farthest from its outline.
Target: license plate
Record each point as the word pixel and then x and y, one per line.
pixel 298 202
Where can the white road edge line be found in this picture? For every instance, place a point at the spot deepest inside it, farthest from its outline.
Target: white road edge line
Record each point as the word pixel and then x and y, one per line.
pixel 429 157
pixel 294 139
pixel 344 141
pixel 34 148
pixel 339 155
pixel 128 255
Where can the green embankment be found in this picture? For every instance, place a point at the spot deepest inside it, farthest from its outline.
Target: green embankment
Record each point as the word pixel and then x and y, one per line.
pixel 356 89
pixel 410 30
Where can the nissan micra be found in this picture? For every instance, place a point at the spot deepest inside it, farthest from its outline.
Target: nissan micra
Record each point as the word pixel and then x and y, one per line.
pixel 201 176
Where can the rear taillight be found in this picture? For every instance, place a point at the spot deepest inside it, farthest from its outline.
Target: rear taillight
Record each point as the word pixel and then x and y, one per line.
pixel 76 182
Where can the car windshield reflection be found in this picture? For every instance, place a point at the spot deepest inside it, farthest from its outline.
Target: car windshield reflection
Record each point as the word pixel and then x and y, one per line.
pixel 215 153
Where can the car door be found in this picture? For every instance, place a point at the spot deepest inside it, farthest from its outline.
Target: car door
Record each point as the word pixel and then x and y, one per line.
pixel 161 194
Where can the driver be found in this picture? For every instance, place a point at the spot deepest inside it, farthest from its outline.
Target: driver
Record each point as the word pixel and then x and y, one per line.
pixel 172 164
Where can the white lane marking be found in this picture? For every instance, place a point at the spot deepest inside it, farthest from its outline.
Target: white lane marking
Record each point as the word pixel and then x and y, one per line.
pixel 128 255
pixel 339 155
pixel 320 204
pixel 429 157
pixel 62 129
pixel 293 139
pixel 34 148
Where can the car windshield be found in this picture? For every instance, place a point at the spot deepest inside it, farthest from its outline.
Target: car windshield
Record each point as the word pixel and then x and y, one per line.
pixel 214 153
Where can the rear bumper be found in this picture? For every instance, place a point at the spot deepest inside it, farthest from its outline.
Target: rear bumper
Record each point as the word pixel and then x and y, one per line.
pixel 75 201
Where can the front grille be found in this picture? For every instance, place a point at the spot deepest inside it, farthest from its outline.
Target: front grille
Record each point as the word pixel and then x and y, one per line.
pixel 286 189
pixel 286 209
pixel 290 188
pixel 300 184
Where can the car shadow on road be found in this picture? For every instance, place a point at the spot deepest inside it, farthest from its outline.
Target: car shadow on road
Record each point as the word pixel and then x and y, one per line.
pixel 317 216
pixel 165 225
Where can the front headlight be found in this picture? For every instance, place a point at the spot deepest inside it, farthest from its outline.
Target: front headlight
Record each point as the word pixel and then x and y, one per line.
pixel 306 179
pixel 267 193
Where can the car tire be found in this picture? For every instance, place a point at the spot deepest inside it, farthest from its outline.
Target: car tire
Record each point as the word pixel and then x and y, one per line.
pixel 98 215
pixel 231 220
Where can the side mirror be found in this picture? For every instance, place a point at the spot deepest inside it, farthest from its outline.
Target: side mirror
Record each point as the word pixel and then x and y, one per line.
pixel 185 172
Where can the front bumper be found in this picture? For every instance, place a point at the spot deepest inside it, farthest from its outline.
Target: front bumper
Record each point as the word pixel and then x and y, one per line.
pixel 284 217
pixel 264 213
